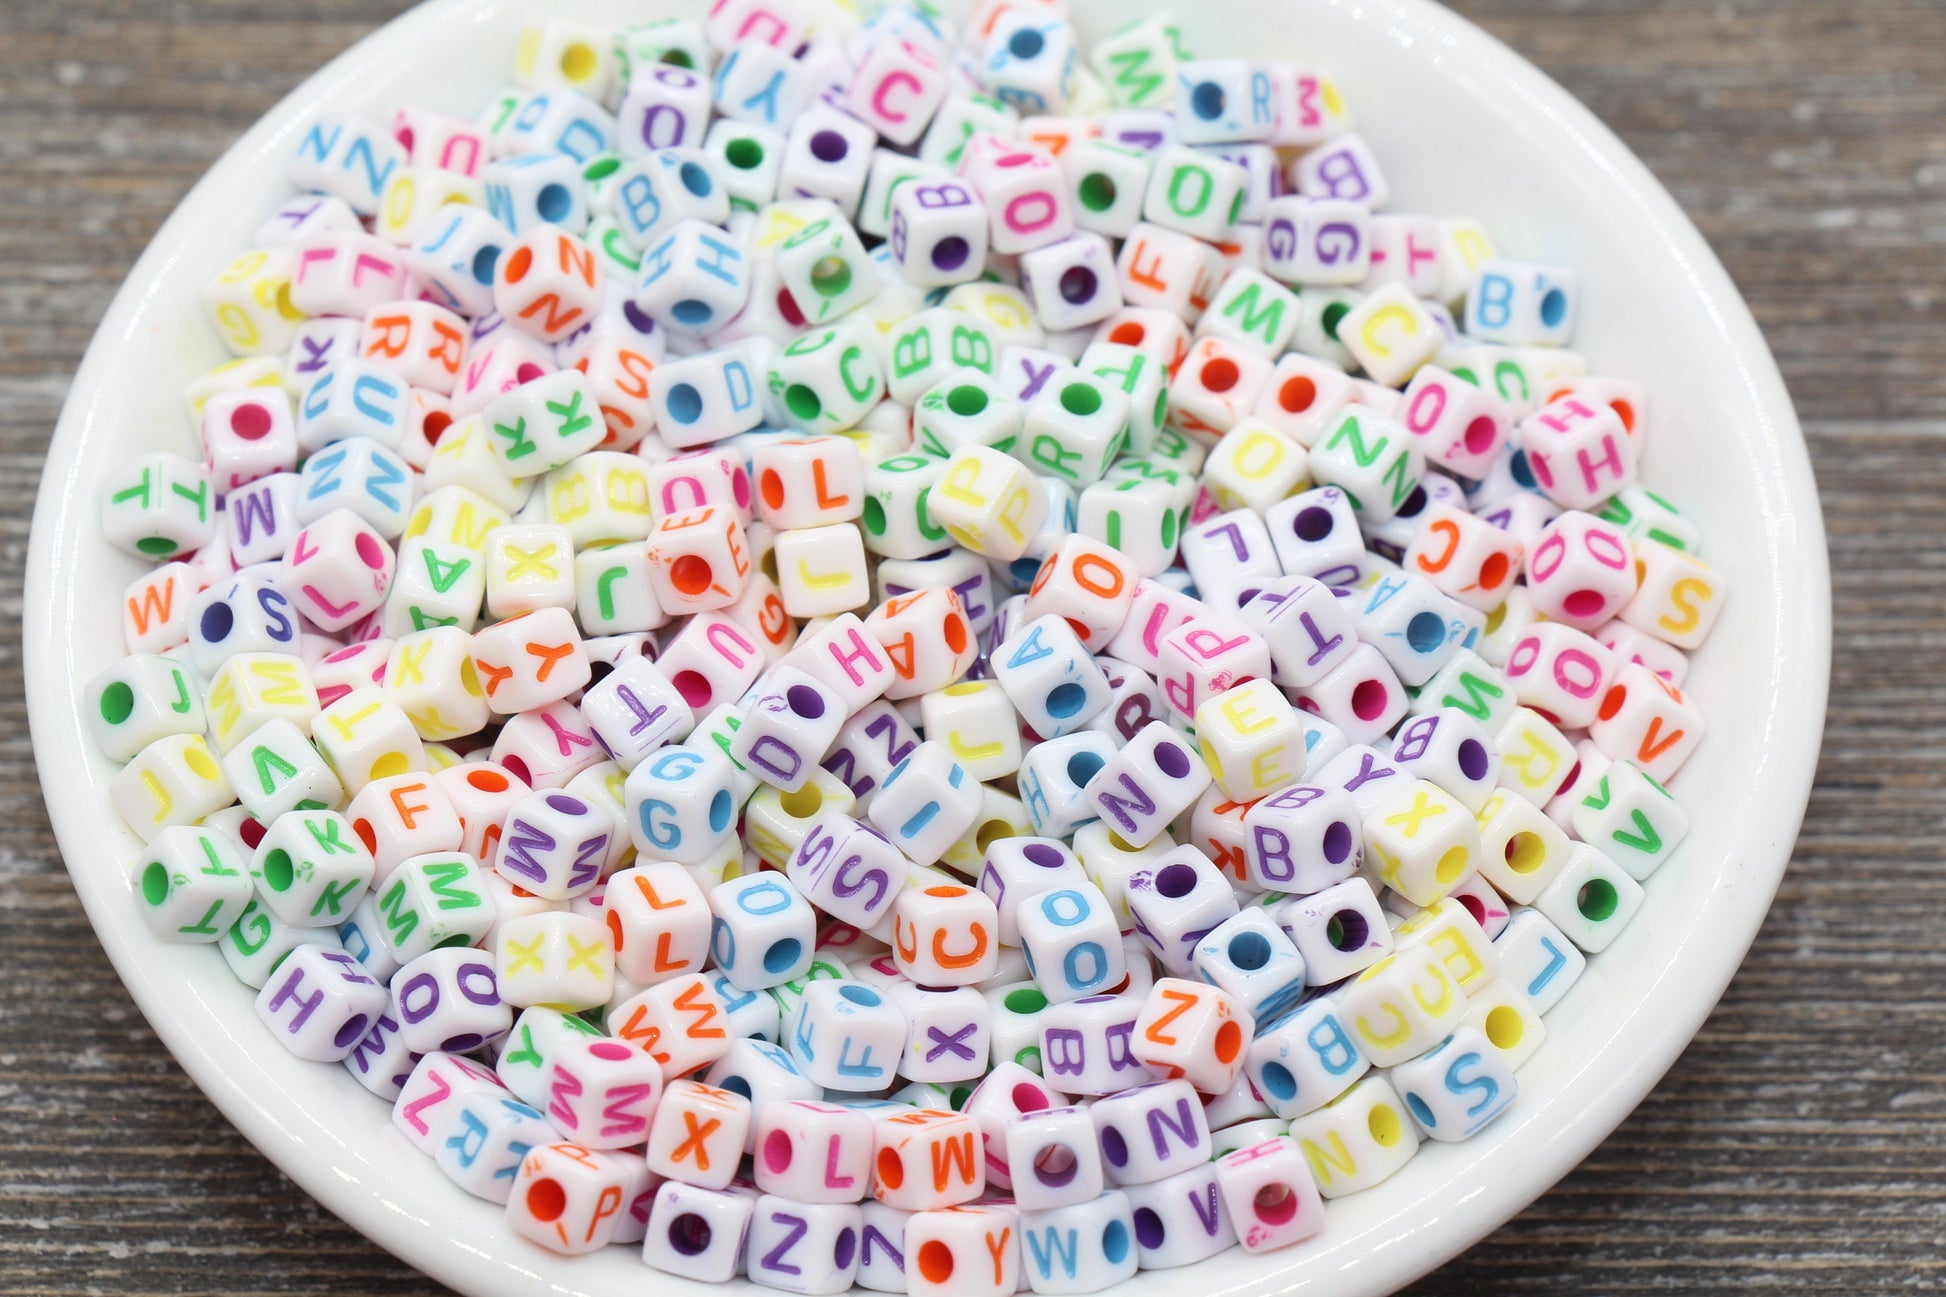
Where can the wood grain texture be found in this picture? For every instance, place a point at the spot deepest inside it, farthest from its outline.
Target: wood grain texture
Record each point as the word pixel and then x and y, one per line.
pixel 1797 1146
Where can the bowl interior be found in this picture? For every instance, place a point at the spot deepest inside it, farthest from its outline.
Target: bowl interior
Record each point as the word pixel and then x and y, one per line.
pixel 1463 127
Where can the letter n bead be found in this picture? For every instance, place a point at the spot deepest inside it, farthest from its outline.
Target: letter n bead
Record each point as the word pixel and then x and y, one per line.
pixel 1151 781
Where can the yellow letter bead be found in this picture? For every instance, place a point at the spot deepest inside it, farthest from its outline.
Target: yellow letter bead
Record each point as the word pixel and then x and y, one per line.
pixel 978 724
pixel 277 770
pixel 1521 850
pixel 808 482
pixel 1679 598
pixel 531 660
pixel 159 507
pixel 1251 740
pixel 1391 334
pixel 365 737
pixel 561 961
pixel 1502 1013
pixel 1536 759
pixel 821 570
pixel 1358 1140
pixel 988 502
pixel 599 498
pixel 1254 466
pixel 139 700
pixel 1456 1089
pixel 698 560
pixel 175 780
pixel 1422 841
pixel 528 566
pixel 250 303
pixel 458 517
pixel 1450 931
pixel 1646 721
pixel 192 883
pixel 1402 1006
pixel 966 408
pixel 430 677
pixel 1632 819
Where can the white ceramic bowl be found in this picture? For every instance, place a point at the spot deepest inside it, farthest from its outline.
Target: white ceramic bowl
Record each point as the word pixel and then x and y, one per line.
pixel 1462 126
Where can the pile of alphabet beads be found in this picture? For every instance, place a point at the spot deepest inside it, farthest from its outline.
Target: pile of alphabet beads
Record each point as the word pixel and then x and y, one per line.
pixel 857 651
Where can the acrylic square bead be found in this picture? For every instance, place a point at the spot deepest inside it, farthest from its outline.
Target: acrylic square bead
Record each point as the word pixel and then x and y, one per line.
pixel 926 1159
pixel 1174 901
pixel 926 803
pixel 1456 1089
pixel 319 1003
pixel 803 1247
pixel 1145 785
pixel 927 634
pixel 811 1151
pixel 1050 677
pixel 1179 1220
pixel 764 933
pixel 192 884
pixel 948 1033
pixel 1648 722
pixel 682 1023
pixel 1252 959
pixel 1679 598
pixel 697 1134
pixel 1192 1030
pixel 1271 1197
pixel 1302 839
pixel 1302 1061
pixel 846 1036
pixel 1631 819
pixel 945 935
pixel 1072 941
pixel 570 1199
pixel 697 1233
pixel 1358 1140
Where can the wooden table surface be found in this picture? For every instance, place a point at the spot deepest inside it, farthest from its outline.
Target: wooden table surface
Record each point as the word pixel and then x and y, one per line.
pixel 1798 1145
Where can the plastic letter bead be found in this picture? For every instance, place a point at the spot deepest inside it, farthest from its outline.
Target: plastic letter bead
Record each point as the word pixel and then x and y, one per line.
pixel 1068 737
pixel 1148 783
pixel 925 1159
pixel 697 1233
pixel 764 932
pixel 570 1199
pixel 1271 1197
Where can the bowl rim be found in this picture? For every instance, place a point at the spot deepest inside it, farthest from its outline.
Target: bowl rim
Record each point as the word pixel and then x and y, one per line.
pixel 302 1143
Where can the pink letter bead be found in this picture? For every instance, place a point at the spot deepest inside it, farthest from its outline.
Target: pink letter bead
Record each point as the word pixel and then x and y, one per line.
pixel 1270 1194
